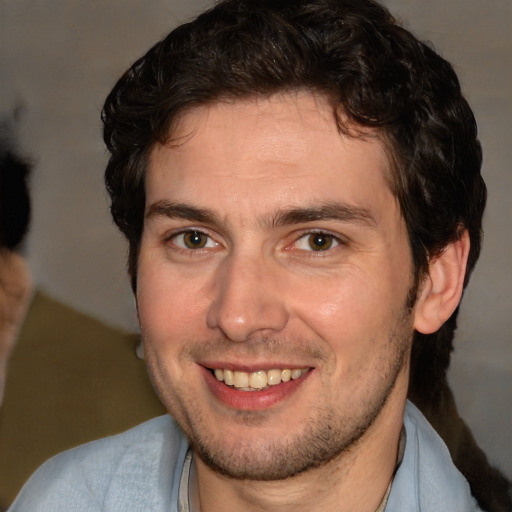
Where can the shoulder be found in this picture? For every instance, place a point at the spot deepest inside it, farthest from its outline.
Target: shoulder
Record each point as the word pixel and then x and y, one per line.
pixel 126 472
pixel 427 479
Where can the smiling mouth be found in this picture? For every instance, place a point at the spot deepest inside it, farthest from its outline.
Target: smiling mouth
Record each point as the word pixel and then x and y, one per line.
pixel 258 380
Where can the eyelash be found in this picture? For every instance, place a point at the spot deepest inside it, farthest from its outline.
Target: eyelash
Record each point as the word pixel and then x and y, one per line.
pixel 172 238
pixel 332 239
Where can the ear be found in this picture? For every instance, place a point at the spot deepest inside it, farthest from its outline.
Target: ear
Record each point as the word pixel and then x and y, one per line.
pixel 441 290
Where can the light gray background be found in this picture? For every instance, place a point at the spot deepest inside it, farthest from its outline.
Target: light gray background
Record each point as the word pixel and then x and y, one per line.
pixel 59 59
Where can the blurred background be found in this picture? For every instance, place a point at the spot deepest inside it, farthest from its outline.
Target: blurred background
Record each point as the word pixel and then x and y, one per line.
pixel 60 58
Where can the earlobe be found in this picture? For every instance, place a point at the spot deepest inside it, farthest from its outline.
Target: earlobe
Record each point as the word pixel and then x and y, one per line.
pixel 441 290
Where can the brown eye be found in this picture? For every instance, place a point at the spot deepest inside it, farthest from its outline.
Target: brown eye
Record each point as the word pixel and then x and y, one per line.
pixel 320 241
pixel 194 239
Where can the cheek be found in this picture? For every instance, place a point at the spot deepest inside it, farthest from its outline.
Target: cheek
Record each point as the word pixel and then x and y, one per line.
pixel 169 305
pixel 351 315
pixel 166 320
pixel 336 306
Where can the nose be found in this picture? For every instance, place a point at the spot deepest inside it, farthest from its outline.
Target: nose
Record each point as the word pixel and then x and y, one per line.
pixel 247 300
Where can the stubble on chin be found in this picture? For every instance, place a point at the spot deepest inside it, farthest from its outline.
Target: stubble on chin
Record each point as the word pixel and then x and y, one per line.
pixel 326 434
pixel 324 438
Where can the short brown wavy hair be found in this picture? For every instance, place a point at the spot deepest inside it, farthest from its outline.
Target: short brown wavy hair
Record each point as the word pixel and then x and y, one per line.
pixel 373 71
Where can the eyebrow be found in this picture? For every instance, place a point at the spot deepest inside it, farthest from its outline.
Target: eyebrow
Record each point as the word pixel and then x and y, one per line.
pixel 182 211
pixel 326 211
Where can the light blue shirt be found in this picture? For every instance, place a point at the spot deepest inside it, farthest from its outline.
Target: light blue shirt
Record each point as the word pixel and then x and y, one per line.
pixel 140 471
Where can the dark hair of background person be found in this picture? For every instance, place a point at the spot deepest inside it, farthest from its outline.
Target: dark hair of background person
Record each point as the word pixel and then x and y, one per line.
pixel 14 198
pixel 379 79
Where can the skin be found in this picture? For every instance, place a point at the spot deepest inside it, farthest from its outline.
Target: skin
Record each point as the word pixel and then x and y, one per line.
pixel 243 179
pixel 14 297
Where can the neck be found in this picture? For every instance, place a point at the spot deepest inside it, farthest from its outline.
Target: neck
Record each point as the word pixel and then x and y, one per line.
pixel 356 480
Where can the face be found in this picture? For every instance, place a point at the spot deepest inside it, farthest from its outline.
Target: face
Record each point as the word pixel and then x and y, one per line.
pixel 273 278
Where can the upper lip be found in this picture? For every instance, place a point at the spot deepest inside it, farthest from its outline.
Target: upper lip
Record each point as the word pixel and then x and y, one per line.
pixel 252 367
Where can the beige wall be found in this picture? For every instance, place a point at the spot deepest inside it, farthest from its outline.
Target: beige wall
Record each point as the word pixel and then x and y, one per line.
pixel 58 60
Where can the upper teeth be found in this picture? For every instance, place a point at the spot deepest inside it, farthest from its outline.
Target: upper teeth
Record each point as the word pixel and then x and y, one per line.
pixel 259 379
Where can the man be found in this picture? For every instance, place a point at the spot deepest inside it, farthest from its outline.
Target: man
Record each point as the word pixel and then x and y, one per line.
pixel 14 273
pixel 299 183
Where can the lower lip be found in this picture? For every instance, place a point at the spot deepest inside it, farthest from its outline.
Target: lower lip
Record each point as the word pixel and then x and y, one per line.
pixel 252 400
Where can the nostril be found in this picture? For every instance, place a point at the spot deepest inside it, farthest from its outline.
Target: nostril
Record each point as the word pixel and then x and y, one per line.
pixel 245 302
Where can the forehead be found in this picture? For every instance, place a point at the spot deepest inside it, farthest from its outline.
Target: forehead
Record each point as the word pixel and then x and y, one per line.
pixel 297 111
pixel 284 148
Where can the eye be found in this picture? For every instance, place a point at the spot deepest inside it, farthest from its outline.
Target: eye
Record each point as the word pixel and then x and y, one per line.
pixel 193 240
pixel 317 242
